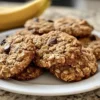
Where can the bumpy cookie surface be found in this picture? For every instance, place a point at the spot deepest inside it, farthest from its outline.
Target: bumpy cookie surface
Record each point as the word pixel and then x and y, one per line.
pixel 95 46
pixel 89 39
pixel 23 32
pixel 73 26
pixel 55 48
pixel 31 72
pixel 16 52
pixel 92 42
pixel 39 26
pixel 81 67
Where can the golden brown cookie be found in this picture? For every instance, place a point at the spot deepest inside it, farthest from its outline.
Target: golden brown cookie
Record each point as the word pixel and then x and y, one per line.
pixel 55 48
pixel 83 66
pixel 73 26
pixel 16 52
pixel 31 72
pixel 87 40
pixel 92 42
pixel 23 32
pixel 95 46
pixel 39 26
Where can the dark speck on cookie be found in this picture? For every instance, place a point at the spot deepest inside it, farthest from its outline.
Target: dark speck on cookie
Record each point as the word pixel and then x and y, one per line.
pixel 36 19
pixel 3 42
pixel 7 49
pixel 50 20
pixel 92 37
pixel 7 36
pixel 52 41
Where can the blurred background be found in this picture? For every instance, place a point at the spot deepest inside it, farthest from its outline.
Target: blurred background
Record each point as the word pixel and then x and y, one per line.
pixel 79 4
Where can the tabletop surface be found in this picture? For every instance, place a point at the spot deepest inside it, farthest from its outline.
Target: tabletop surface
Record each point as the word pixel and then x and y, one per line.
pixel 52 13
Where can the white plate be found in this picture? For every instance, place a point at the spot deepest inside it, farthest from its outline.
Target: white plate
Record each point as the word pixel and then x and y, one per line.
pixel 48 85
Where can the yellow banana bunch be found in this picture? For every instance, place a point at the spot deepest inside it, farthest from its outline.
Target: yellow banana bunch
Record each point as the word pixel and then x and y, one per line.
pixel 16 17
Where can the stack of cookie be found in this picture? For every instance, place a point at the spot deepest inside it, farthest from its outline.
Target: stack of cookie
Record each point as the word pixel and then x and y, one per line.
pixel 64 46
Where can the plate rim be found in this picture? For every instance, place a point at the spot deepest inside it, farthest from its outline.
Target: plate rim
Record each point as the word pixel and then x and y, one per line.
pixel 54 93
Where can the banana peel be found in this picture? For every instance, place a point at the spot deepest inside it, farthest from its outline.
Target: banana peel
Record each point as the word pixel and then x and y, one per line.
pixel 16 17
pixel 3 8
pixel 43 7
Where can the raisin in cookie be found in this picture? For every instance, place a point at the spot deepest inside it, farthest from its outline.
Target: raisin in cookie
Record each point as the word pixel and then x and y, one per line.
pixel 73 26
pixel 39 26
pixel 95 46
pixel 16 52
pixel 55 48
pixel 31 72
pixel 83 66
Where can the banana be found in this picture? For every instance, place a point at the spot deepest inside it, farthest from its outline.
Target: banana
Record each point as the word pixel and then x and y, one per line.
pixel 43 7
pixel 3 8
pixel 16 17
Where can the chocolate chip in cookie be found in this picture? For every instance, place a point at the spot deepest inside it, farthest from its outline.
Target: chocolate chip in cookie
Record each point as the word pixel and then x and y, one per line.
pixel 93 37
pixel 49 20
pixel 56 48
pixel 52 41
pixel 7 49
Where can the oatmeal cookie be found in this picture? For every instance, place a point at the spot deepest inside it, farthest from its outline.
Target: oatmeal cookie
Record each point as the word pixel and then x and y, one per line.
pixel 92 42
pixel 39 26
pixel 23 32
pixel 16 52
pixel 82 67
pixel 73 26
pixel 55 48
pixel 95 46
pixel 31 72
pixel 87 40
